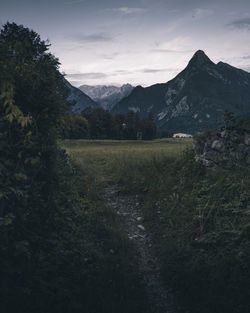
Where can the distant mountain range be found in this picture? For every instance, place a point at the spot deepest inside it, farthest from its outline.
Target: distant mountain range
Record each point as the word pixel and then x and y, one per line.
pixel 195 99
pixel 107 96
pixel 82 101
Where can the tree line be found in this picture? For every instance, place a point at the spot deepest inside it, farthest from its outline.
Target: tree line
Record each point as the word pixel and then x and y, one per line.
pixel 100 124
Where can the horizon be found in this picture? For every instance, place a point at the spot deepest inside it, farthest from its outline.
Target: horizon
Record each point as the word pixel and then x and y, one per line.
pixel 140 42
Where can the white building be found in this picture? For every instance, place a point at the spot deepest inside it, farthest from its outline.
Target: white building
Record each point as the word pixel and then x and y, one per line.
pixel 182 135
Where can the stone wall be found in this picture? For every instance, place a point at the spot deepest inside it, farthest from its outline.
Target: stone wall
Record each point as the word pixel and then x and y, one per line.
pixel 228 147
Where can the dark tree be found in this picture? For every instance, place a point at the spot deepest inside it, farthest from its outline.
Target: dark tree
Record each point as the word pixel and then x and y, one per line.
pixel 229 120
pixel 149 127
pixel 33 98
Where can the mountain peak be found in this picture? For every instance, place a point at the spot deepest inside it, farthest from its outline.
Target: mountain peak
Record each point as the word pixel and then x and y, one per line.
pixel 226 65
pixel 199 58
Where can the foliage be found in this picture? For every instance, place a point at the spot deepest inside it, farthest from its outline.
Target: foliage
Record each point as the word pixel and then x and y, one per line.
pixel 100 124
pixel 200 220
pixel 73 126
pixel 54 243
pixel 205 248
pixel 33 97
pixel 229 120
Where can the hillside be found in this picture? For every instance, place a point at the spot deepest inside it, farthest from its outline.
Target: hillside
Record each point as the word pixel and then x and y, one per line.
pixel 195 99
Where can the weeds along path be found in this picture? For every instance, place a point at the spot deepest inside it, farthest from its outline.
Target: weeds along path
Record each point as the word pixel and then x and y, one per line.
pixel 160 298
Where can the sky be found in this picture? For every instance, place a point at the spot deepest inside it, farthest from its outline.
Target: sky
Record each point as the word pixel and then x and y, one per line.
pixel 141 42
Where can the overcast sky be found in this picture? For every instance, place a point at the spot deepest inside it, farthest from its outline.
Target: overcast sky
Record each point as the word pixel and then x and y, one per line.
pixel 141 42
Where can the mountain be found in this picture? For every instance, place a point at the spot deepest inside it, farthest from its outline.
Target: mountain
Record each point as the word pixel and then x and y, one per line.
pixel 107 96
pixel 195 99
pixel 81 100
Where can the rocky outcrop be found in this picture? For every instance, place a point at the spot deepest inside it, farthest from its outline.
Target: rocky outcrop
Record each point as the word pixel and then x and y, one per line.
pixel 226 148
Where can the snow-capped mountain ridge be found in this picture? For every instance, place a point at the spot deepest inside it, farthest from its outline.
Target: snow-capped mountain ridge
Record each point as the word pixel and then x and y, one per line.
pixel 107 96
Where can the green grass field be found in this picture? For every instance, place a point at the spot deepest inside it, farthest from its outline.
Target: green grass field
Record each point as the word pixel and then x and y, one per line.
pixel 105 161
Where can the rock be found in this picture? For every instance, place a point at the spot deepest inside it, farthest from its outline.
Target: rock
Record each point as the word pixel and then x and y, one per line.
pixel 141 227
pixel 228 147
pixel 218 145
pixel 133 237
pixel 139 219
pixel 247 139
pixel 223 133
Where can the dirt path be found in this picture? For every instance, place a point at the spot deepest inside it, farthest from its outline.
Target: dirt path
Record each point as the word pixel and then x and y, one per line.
pixel 160 299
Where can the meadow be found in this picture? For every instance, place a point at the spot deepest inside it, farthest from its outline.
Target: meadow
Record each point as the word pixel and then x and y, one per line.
pixel 107 161
pixel 199 217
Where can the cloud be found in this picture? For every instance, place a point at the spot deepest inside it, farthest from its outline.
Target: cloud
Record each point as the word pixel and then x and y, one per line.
pixel 75 83
pixel 122 72
pixel 74 2
pixel 170 51
pixel 144 70
pixel 246 57
pixel 201 13
pixel 243 23
pixel 126 10
pixel 92 75
pixel 177 45
pixel 110 56
pixel 152 70
pixel 92 38
pixel 156 70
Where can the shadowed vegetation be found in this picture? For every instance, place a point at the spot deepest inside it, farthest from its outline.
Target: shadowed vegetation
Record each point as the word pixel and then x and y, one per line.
pixel 199 217
pixel 59 251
